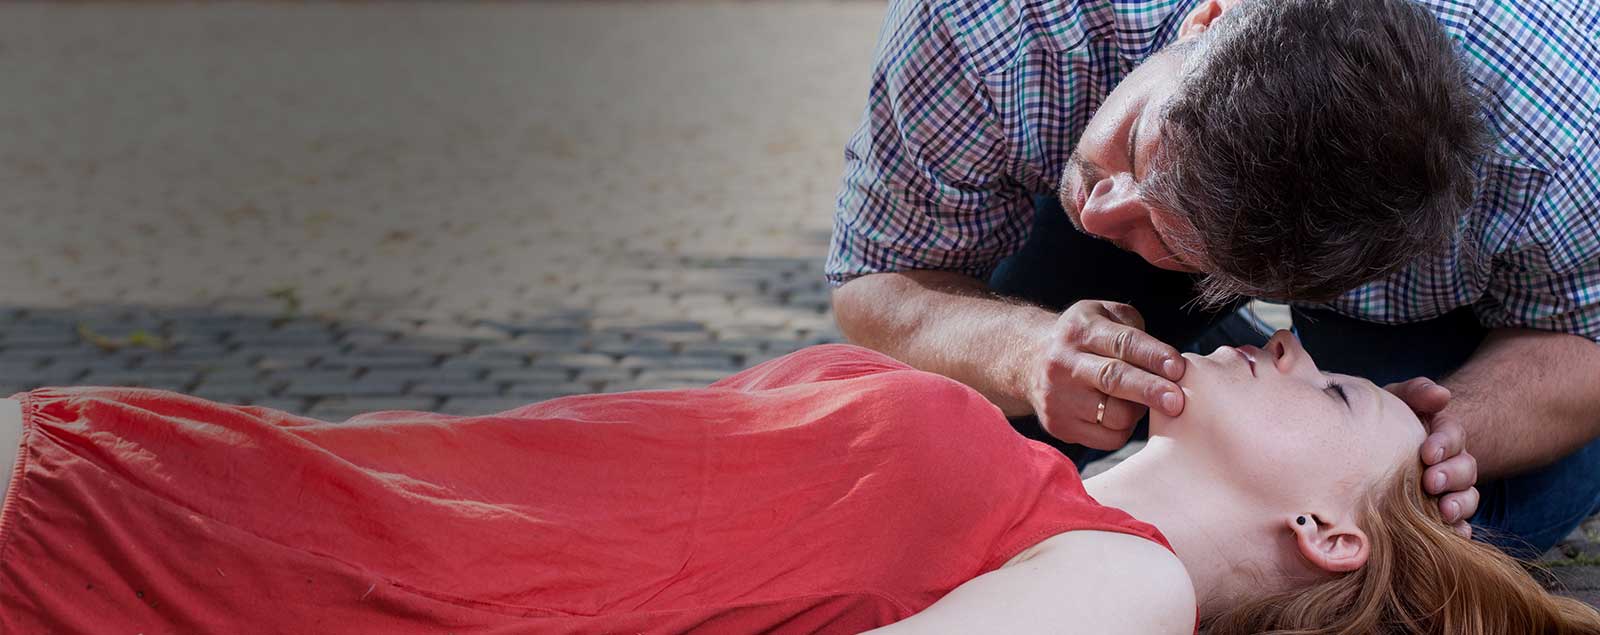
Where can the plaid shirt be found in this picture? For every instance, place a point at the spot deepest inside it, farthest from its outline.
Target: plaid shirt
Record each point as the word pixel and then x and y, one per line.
pixel 975 106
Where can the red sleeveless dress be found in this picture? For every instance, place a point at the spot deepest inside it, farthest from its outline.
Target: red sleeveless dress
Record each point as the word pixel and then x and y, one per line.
pixel 829 491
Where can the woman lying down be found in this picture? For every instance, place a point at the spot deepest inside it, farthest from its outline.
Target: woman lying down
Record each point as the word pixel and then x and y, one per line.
pixel 834 490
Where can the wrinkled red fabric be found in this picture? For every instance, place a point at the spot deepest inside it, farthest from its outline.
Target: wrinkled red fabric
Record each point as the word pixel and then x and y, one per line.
pixel 829 491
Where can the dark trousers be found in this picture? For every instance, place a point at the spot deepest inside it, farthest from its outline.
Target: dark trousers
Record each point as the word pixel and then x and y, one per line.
pixel 1524 514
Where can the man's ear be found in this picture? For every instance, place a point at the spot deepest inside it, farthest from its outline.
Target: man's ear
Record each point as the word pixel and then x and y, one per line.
pixel 1202 16
pixel 1338 547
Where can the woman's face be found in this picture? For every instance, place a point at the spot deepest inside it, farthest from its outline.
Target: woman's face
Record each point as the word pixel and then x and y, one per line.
pixel 1272 421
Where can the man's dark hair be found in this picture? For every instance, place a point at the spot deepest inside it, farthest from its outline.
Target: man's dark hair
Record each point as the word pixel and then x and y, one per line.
pixel 1316 145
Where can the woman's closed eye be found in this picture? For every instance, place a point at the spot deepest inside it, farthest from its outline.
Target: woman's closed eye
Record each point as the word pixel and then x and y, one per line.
pixel 1337 391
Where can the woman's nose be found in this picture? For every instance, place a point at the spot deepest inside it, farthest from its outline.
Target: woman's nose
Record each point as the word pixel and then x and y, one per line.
pixel 1289 356
pixel 1112 207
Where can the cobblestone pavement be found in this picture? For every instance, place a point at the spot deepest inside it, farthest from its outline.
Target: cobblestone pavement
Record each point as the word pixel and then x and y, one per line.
pixel 340 208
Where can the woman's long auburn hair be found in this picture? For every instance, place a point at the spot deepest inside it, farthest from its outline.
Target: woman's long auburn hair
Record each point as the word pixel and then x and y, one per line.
pixel 1420 578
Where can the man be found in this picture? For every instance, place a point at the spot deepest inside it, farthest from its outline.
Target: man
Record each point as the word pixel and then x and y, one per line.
pixel 1416 179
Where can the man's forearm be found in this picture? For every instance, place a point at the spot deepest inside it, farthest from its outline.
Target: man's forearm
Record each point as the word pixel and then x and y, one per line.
pixel 1526 399
pixel 949 324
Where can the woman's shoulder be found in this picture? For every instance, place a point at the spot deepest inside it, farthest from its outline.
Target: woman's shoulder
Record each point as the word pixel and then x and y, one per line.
pixel 1082 581
pixel 1116 569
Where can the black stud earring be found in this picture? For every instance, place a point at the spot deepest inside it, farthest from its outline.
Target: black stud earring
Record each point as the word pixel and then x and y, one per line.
pixel 1300 521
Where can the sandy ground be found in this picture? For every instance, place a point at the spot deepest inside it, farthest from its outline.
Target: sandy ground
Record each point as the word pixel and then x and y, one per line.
pixel 481 158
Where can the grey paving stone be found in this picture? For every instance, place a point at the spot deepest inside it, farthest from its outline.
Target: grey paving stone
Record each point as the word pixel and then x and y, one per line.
pixel 90 357
pixel 711 360
pixel 531 375
pixel 737 351
pixel 322 375
pixel 120 330
pixel 482 365
pixel 456 389
pixel 618 373
pixel 480 405
pixel 667 326
pixel 286 361
pixel 634 347
pixel 322 344
pixel 574 361
pixel 302 326
pixel 410 360
pixel 287 348
pixel 233 394
pixel 216 327
pixel 702 299
pixel 457 332
pixel 1575 578
pixel 41 377
pixel 427 374
pixel 534 344
pixel 410 348
pixel 20 340
pixel 235 374
pixel 170 386
pixel 191 351
pixel 551 391
pixel 106 360
pixel 152 378
pixel 1592 598
pixel 368 340
pixel 674 340
pixel 237 359
pixel 8 366
pixel 168 364
pixel 337 410
pixel 680 376
pixel 603 337
pixel 348 388
pixel 784 347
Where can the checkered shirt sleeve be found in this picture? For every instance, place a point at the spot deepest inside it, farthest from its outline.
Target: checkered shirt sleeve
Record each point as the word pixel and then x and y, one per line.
pixel 1550 277
pixel 926 184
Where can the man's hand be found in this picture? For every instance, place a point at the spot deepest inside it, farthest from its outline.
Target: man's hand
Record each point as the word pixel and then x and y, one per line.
pixel 1451 469
pixel 1099 351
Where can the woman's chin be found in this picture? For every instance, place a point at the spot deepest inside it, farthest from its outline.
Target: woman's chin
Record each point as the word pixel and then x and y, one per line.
pixel 1162 425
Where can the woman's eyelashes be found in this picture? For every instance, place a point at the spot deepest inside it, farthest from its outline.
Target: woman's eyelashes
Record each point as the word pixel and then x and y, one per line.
pixel 1337 390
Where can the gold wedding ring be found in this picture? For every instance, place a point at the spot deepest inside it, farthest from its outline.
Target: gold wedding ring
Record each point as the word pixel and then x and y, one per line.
pixel 1100 412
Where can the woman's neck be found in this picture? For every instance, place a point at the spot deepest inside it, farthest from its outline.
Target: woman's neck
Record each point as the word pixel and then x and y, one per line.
pixel 1217 533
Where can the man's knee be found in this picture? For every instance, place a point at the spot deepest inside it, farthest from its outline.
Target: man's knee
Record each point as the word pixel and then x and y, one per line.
pixel 1527 514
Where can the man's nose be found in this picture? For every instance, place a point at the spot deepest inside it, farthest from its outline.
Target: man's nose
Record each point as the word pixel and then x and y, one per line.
pixel 1113 207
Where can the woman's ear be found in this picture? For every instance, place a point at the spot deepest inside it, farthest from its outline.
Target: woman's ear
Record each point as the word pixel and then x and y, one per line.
pixel 1339 547
pixel 1201 17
